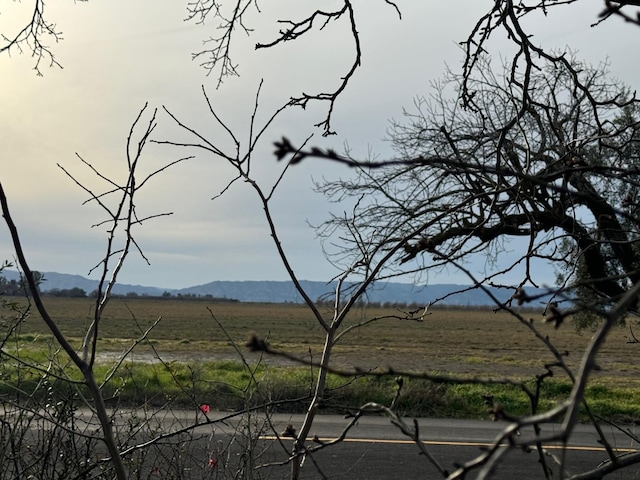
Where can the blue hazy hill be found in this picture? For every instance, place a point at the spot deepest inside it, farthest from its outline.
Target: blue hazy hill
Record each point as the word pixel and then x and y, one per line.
pixel 285 292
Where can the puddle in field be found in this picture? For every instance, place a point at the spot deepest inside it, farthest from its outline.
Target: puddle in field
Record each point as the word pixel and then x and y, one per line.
pixel 365 362
pixel 189 357
pixel 253 358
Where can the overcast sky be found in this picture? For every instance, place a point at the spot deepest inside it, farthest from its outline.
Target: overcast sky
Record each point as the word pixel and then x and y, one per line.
pixel 119 54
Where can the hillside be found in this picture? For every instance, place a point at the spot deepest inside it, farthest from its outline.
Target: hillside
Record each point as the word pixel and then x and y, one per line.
pixel 284 292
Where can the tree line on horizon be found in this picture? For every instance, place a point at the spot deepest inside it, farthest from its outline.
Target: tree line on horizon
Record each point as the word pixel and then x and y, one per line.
pixel 17 288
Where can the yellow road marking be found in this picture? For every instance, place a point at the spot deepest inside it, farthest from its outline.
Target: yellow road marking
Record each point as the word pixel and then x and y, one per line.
pixel 465 444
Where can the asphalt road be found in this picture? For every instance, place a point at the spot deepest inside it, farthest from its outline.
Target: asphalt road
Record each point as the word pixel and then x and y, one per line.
pixel 373 449
pixel 376 449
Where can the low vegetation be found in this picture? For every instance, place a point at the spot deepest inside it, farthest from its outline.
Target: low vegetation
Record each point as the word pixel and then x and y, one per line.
pixel 190 357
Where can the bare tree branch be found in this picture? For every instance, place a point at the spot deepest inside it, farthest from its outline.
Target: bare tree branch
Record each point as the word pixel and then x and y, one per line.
pixel 33 37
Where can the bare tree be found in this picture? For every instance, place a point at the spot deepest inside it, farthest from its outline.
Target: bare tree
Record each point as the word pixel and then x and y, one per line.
pixel 504 18
pixel 60 426
pixel 121 219
pixel 554 172
pixel 33 36
pixel 333 323
pixel 230 18
pixel 545 175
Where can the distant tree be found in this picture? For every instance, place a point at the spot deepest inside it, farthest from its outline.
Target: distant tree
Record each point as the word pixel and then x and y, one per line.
pixel 11 287
pixel 66 292
pixel 76 292
pixel 18 287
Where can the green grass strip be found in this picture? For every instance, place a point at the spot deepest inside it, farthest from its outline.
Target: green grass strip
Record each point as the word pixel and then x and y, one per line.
pixel 231 386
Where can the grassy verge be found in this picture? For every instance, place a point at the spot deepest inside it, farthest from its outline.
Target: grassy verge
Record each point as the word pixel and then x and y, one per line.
pixel 229 385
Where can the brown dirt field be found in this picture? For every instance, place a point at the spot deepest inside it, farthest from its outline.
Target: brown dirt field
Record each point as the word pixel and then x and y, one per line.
pixel 473 342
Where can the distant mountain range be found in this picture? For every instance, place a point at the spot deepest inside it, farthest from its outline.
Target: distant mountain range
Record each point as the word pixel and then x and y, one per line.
pixel 285 292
